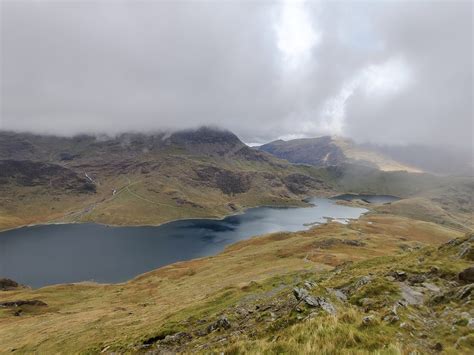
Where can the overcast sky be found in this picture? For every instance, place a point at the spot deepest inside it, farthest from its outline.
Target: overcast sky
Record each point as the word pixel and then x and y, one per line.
pixel 384 72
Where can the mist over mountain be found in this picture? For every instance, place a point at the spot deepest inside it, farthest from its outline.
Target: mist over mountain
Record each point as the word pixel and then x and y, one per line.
pixel 333 151
pixel 236 177
pixel 384 73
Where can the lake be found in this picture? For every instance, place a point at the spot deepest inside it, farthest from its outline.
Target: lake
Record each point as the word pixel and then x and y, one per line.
pixel 64 253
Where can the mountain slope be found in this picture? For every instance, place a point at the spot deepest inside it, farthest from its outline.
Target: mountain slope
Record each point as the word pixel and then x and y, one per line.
pixel 242 298
pixel 138 179
pixel 330 151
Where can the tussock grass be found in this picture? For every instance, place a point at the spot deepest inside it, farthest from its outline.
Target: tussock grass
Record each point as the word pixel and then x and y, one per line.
pixel 341 334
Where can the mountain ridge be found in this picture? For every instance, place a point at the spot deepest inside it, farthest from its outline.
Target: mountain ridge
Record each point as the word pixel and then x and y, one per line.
pixel 144 179
pixel 329 151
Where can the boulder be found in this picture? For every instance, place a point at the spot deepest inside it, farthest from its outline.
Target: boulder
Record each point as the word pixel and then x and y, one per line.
pixel 338 293
pixel 8 284
pixel 311 301
pixel 467 275
pixel 221 324
pixel 326 306
pixel 410 295
pixel 300 293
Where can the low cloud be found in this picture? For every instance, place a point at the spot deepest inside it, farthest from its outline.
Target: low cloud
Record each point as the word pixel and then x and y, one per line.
pixel 388 72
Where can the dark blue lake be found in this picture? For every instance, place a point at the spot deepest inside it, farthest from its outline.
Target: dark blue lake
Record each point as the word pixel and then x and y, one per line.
pixel 65 253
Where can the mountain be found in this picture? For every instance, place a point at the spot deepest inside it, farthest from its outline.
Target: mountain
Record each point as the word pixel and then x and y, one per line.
pixel 332 151
pixel 142 179
pixel 378 284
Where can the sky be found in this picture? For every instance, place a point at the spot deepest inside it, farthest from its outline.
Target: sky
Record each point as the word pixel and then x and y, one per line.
pixel 385 72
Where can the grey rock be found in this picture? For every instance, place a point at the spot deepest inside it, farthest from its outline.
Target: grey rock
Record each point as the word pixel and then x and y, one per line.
pixel 364 280
pixel 410 295
pixel 221 324
pixel 431 287
pixel 300 293
pixel 327 306
pixel 177 338
pixel 312 301
pixel 309 284
pixel 340 295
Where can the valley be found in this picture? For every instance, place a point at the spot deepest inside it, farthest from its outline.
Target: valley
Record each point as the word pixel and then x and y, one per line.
pixel 376 284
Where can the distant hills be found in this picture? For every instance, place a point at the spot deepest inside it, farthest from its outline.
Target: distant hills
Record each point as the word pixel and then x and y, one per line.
pixel 148 179
pixel 334 151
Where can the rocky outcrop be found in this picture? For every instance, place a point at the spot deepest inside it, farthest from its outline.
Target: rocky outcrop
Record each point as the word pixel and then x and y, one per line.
pixel 20 303
pixel 229 182
pixel 301 184
pixel 302 295
pixel 8 284
pixel 27 173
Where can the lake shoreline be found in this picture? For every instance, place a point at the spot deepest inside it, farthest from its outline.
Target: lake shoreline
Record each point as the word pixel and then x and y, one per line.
pixel 237 213
pixel 95 253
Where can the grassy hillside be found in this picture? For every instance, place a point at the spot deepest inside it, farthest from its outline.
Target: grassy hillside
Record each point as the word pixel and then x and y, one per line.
pixel 142 179
pixel 385 283
pixel 257 275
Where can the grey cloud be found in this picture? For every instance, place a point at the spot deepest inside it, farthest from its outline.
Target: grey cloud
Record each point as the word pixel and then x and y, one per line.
pixel 103 66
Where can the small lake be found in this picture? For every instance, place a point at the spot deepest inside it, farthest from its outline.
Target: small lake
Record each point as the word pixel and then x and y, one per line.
pixel 64 253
